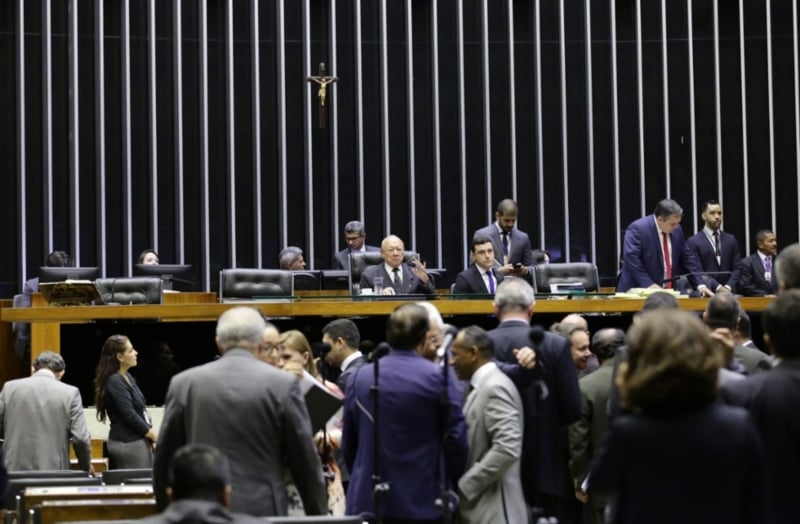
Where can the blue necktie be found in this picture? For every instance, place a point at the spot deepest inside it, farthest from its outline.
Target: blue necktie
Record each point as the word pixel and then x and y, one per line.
pixel 491 281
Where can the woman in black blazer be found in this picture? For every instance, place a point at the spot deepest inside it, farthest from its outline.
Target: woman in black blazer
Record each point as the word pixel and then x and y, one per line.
pixel 680 456
pixel 117 396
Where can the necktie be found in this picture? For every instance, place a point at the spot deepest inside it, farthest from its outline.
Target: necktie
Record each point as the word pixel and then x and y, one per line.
pixel 490 277
pixel 396 278
pixel 667 262
pixel 468 392
pixel 505 243
pixel 716 245
pixel 768 264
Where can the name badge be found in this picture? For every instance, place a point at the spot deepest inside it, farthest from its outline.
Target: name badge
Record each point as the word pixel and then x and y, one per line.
pixel 767 276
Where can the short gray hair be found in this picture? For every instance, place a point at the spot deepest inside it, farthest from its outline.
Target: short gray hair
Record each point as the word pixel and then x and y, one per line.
pixel 240 326
pixel 514 294
pixel 288 255
pixel 354 226
pixel 434 317
pixel 49 360
pixel 787 267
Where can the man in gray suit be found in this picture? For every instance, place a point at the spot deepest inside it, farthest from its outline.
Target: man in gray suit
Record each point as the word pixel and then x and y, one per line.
pixel 355 236
pixel 199 490
pixel 490 489
pixel 398 278
pixel 512 247
pixel 252 412
pixel 39 414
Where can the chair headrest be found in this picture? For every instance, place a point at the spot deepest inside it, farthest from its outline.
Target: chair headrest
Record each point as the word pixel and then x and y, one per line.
pixel 250 283
pixel 131 290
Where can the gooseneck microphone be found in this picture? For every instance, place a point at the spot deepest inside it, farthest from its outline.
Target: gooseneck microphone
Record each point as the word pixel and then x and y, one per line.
pixel 449 333
pixel 380 351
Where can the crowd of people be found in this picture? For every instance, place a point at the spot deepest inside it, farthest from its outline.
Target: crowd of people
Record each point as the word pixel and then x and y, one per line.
pixel 679 419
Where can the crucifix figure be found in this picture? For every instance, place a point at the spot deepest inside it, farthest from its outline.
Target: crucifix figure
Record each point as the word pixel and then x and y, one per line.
pixel 323 80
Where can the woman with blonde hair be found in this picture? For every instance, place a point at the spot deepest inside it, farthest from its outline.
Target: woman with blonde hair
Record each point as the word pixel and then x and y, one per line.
pixel 680 455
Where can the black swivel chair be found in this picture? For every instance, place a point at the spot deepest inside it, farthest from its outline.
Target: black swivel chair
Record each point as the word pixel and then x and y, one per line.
pixel 581 275
pixel 131 290
pixel 361 261
pixel 239 284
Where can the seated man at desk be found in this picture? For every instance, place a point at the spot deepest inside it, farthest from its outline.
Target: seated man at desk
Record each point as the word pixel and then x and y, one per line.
pixel 481 277
pixel 398 278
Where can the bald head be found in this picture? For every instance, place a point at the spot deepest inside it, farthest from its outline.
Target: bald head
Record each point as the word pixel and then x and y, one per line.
pixel 393 250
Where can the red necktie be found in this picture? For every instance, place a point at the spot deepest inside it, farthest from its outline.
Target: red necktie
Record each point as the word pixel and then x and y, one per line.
pixel 667 261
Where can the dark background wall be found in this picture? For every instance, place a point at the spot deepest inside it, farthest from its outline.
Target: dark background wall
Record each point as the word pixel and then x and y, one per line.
pixel 213 157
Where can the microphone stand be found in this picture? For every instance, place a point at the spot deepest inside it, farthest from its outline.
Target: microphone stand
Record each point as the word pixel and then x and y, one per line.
pixel 379 488
pixel 447 499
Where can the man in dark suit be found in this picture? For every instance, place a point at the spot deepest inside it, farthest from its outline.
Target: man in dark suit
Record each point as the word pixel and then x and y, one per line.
pixel 416 434
pixel 512 247
pixel 549 407
pixel 398 278
pixel 757 277
pixel 343 337
pixel 647 241
pixel 772 399
pixel 481 277
pixel 355 236
pixel 252 412
pixel 38 417
pixel 199 490
pixel 717 250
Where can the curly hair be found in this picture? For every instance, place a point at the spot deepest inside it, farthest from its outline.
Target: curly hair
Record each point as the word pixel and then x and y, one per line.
pixel 672 365
pixel 107 366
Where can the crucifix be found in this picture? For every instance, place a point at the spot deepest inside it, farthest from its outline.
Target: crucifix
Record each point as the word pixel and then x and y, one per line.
pixel 323 80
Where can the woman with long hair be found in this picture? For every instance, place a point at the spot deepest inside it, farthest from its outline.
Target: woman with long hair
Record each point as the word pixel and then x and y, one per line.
pixel 131 438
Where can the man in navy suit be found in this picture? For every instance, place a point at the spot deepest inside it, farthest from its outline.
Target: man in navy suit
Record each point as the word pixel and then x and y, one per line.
pixel 416 433
pixel 772 400
pixel 355 236
pixel 398 278
pixel 717 250
pixel 757 277
pixel 481 277
pixel 512 247
pixel 549 406
pixel 655 252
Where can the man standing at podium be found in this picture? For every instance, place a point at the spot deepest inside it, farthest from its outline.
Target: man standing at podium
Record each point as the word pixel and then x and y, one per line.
pixel 655 254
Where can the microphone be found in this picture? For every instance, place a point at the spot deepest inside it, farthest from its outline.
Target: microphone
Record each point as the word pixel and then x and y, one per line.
pixel 450 333
pixel 536 335
pixel 380 351
pixel 320 349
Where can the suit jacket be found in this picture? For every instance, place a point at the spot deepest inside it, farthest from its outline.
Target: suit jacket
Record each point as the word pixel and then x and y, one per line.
pixel 256 416
pixel 587 433
pixel 470 281
pixel 643 260
pixel 415 436
pixel 340 258
pixel 704 466
pixel 772 399
pixel 189 511
pixel 544 448
pixel 519 246
pixel 411 284
pixel 38 416
pixel 751 281
pixel 491 488
pixel 345 375
pixel 728 253
pixel 754 361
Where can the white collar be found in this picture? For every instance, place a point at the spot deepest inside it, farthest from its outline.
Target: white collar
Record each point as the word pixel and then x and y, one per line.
pixel 349 360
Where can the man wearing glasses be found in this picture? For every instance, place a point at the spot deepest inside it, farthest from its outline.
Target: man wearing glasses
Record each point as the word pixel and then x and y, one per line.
pixel 355 236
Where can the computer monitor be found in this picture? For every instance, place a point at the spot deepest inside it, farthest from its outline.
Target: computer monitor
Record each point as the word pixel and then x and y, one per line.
pixel 335 279
pixel 59 274
pixel 178 277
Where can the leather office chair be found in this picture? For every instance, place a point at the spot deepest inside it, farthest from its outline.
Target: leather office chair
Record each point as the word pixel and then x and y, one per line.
pixel 249 284
pixel 577 273
pixel 361 261
pixel 131 290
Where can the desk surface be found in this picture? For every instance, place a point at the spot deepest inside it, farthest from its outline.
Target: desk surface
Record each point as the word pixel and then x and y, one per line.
pixel 333 307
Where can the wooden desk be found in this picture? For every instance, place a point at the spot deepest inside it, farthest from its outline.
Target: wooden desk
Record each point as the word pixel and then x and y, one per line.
pixel 46 321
